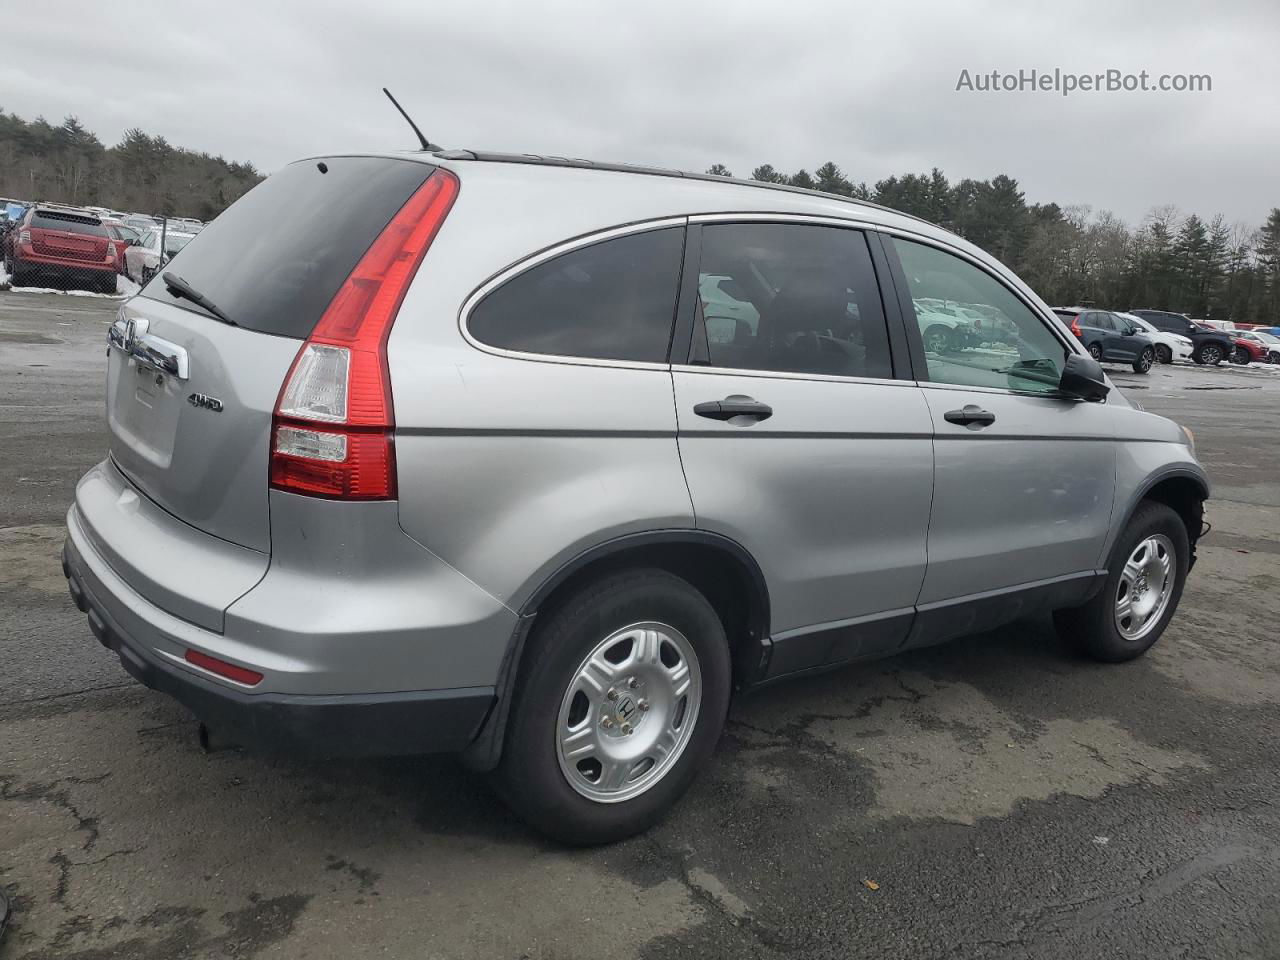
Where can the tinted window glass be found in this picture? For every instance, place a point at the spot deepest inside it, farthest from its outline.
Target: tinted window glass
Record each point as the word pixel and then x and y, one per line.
pixel 276 257
pixel 789 297
pixel 1103 321
pixel 613 300
pixel 52 220
pixel 1017 352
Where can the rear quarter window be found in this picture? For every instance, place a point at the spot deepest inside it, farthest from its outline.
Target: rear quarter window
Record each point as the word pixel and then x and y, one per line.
pixel 612 300
pixel 275 258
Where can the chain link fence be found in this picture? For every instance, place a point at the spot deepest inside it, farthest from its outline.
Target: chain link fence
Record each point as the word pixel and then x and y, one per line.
pixel 55 247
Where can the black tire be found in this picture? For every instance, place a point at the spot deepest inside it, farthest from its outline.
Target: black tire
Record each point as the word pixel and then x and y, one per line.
pixel 1092 628
pixel 1163 353
pixel 529 777
pixel 938 339
pixel 1095 351
pixel 1273 357
pixel 1240 357
pixel 1146 360
pixel 1211 354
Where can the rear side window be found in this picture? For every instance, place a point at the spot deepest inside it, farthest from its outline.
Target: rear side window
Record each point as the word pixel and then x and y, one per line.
pixel 789 298
pixel 52 220
pixel 275 258
pixel 613 300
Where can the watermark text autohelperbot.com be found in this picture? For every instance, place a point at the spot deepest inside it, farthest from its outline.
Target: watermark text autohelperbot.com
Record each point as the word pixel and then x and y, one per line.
pixel 1065 83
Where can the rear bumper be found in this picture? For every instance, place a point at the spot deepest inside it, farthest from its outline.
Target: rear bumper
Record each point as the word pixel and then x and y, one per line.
pixel 362 724
pixel 65 263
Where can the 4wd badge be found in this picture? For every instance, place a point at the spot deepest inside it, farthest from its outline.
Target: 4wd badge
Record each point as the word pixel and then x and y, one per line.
pixel 206 401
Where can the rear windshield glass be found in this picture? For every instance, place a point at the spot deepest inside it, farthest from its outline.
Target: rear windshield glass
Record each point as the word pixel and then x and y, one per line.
pixel 69 223
pixel 276 257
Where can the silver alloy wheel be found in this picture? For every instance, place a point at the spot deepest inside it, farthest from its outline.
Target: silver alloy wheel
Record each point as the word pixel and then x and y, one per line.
pixel 1211 354
pixel 937 339
pixel 1145 360
pixel 628 712
pixel 1095 351
pixel 1146 584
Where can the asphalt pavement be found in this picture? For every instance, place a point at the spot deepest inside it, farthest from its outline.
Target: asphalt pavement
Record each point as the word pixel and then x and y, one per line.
pixel 994 797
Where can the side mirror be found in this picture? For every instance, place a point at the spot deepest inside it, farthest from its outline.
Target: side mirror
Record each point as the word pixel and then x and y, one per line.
pixel 1083 379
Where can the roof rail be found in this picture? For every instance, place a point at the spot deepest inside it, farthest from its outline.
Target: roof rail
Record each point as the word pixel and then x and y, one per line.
pixel 492 156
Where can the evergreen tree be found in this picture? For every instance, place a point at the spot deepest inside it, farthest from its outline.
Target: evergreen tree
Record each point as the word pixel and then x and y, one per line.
pixel 719 170
pixel 766 174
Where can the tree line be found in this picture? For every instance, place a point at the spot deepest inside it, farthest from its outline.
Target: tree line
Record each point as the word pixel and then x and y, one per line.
pixel 1072 255
pixel 142 173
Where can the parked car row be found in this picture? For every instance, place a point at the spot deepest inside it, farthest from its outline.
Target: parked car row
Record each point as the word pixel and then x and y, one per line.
pixel 49 244
pixel 1140 337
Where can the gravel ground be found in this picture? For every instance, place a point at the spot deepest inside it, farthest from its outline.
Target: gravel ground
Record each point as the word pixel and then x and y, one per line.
pixel 995 797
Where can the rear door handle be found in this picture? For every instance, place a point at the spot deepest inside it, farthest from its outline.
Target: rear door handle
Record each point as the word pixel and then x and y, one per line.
pixel 734 406
pixel 970 415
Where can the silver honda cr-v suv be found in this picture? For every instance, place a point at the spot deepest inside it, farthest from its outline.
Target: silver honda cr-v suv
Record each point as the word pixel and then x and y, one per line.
pixel 538 461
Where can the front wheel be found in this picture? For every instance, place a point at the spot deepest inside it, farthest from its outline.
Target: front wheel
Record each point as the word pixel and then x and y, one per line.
pixel 1211 354
pixel 1273 357
pixel 1240 356
pixel 1163 353
pixel 1141 592
pixel 620 705
pixel 937 339
pixel 1145 360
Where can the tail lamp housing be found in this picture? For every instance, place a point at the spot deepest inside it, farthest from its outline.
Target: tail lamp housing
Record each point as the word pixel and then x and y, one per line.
pixel 333 431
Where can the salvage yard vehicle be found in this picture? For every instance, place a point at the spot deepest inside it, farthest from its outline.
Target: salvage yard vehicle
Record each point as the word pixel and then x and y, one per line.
pixel 435 452
pixel 143 259
pixel 1109 337
pixel 53 244
pixel 1169 346
pixel 1209 346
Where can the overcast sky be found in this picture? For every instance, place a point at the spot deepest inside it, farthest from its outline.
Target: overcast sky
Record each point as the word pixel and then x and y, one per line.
pixel 686 84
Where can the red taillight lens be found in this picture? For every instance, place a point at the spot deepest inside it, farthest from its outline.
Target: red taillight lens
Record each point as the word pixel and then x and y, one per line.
pixel 332 432
pixel 1075 328
pixel 223 669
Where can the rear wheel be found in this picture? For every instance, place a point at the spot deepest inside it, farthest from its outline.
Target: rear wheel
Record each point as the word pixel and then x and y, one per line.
pixel 1095 351
pixel 1145 361
pixel 1240 356
pixel 1211 354
pixel 620 706
pixel 1141 593
pixel 1273 356
pixel 1163 353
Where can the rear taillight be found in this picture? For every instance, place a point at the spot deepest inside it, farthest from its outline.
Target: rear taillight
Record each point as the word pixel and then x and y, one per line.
pixel 1075 327
pixel 332 431
pixel 24 236
pixel 111 250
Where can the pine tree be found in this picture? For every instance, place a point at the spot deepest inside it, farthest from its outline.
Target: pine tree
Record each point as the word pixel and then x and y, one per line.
pixel 766 174
pixel 719 170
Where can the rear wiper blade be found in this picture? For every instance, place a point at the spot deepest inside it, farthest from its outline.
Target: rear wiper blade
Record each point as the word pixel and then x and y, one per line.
pixel 180 288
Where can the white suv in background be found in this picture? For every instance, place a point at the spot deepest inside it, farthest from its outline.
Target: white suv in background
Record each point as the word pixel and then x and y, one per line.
pixel 1169 346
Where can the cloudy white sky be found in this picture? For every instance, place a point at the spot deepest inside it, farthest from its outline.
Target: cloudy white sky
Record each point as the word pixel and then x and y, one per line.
pixel 686 84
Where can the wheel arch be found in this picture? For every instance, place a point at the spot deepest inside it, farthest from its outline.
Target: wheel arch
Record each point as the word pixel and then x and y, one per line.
pixel 1181 488
pixel 721 568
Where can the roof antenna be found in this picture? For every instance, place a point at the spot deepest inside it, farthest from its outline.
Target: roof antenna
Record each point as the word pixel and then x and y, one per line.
pixel 426 144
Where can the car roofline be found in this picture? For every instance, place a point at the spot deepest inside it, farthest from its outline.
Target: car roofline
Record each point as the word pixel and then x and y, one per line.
pixel 492 156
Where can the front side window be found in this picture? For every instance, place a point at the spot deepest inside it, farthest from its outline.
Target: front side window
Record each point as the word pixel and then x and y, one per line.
pixel 789 298
pixel 613 300
pixel 1016 353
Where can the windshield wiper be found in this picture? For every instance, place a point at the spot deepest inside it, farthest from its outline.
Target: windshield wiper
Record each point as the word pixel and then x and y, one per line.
pixel 180 288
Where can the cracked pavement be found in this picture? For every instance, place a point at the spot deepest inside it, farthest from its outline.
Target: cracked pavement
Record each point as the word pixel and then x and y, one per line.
pixel 994 797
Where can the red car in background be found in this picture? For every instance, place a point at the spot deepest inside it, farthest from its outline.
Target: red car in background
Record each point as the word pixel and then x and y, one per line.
pixel 63 246
pixel 1248 351
pixel 124 236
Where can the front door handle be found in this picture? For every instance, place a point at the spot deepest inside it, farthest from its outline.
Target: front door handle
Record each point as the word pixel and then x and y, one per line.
pixel 970 415
pixel 734 406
